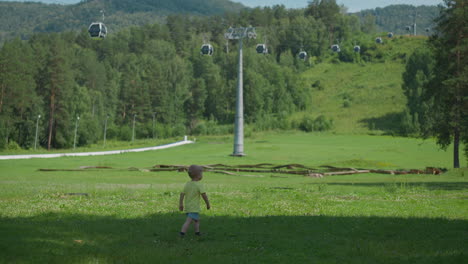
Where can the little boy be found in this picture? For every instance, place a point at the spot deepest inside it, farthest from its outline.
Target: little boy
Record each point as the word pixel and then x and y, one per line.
pixel 192 192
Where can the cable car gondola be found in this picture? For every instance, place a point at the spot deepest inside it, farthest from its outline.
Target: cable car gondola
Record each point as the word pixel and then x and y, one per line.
pixel 97 30
pixel 206 49
pixel 335 48
pixel 357 49
pixel 261 49
pixel 302 55
pixel 379 40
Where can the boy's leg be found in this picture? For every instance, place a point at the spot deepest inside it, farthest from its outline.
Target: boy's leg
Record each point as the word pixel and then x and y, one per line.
pixel 197 226
pixel 186 225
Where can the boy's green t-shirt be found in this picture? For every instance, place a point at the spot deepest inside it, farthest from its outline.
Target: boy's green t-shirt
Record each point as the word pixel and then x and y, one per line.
pixel 193 190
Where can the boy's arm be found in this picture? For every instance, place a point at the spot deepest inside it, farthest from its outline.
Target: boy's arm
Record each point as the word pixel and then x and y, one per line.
pixel 181 201
pixel 205 198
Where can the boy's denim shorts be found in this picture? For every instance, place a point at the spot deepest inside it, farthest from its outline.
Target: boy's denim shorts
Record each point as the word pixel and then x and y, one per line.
pixel 194 216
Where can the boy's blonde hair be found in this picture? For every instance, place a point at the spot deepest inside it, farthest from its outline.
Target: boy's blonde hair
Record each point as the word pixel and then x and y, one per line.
pixel 195 171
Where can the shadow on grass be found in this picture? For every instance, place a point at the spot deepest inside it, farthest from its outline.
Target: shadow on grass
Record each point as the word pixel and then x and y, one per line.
pixel 64 238
pixel 389 123
pixel 447 186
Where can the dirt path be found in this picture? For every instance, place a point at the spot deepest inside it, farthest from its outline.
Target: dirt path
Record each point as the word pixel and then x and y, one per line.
pixel 98 153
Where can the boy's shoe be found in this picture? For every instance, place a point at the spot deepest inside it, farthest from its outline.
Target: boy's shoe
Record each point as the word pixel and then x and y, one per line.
pixel 198 234
pixel 182 234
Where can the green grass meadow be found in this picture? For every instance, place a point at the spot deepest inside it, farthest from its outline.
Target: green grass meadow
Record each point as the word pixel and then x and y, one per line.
pixel 356 96
pixel 363 97
pixel 133 217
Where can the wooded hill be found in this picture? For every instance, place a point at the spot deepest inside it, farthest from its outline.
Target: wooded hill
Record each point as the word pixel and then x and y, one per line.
pixel 156 72
pixel 154 76
pixel 395 18
pixel 25 18
pixel 22 19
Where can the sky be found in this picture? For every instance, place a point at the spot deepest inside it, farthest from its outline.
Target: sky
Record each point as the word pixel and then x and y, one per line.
pixel 352 5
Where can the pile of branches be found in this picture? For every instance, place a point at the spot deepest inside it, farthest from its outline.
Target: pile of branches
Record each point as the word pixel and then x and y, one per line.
pixel 297 169
pixel 262 168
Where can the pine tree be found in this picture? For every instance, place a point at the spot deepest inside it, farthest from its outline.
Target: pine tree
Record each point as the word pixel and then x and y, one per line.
pixel 56 85
pixel 19 102
pixel 449 87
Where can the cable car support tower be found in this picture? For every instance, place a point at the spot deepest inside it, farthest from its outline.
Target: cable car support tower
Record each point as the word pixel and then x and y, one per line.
pixel 239 34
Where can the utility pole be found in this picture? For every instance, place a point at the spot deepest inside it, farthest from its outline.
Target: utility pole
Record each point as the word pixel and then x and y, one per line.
pixel 414 22
pixel 37 127
pixel 239 34
pixel 154 115
pixel 105 130
pixel 133 130
pixel 76 129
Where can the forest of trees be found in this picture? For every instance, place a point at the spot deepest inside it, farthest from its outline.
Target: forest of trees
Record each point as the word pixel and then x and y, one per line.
pixel 397 19
pixel 22 19
pixel 155 74
pixel 155 70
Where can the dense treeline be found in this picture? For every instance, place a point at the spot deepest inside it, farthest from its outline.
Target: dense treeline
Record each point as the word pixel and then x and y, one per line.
pixel 155 70
pixel 155 74
pixel 396 19
pixel 22 19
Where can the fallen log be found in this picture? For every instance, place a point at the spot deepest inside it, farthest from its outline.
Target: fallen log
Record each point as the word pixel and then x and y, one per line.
pixel 332 168
pixel 345 172
pixel 170 166
pixel 95 167
pixel 260 165
pixel 267 171
pixel 294 169
pixel 168 169
pixel 292 166
pixel 315 175
pixel 434 171
pixel 234 174
pixel 392 172
pixel 61 170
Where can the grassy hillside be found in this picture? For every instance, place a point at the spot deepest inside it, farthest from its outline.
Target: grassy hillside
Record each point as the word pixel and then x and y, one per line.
pixel 363 96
